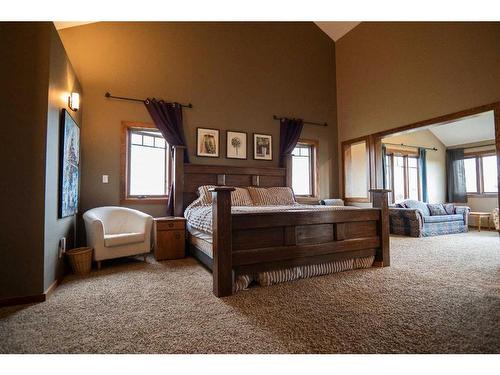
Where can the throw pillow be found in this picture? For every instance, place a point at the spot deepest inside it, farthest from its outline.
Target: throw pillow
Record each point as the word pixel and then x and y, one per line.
pixel 436 209
pixel 419 206
pixel 449 208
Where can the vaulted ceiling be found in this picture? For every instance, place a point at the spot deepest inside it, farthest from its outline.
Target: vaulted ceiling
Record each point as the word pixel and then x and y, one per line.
pixel 337 29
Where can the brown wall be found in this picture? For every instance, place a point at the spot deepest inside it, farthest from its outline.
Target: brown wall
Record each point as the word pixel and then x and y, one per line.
pixel 62 81
pixel 36 78
pixel 24 70
pixel 394 74
pixel 391 74
pixel 237 75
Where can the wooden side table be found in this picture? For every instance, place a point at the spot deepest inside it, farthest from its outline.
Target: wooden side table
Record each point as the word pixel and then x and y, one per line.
pixel 170 238
pixel 479 215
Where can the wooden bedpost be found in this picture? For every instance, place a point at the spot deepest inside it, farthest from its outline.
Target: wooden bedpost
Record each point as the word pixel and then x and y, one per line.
pixel 222 248
pixel 380 200
pixel 288 170
pixel 178 179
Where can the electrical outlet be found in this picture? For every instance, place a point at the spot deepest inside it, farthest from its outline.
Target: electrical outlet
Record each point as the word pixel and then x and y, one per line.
pixel 62 246
pixel 105 179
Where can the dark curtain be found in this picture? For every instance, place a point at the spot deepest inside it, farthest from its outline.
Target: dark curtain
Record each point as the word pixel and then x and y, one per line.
pixel 384 167
pixel 422 164
pixel 290 130
pixel 168 119
pixel 455 173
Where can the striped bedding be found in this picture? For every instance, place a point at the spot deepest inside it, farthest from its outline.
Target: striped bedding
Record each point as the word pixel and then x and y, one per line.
pixel 268 278
pixel 199 216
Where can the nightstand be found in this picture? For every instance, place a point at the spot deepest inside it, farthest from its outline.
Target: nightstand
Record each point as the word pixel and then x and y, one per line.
pixel 170 235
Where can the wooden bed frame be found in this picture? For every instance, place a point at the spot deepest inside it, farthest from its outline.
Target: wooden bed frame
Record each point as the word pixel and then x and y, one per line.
pixel 256 242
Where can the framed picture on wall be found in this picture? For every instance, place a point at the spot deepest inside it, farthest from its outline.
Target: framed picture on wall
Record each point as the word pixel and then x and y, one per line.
pixel 262 146
pixel 69 166
pixel 236 147
pixel 207 142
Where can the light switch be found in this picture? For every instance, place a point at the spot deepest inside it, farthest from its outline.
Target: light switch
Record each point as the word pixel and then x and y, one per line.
pixel 105 178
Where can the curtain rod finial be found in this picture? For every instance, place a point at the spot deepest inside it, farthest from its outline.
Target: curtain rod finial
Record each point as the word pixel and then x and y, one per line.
pixel 107 95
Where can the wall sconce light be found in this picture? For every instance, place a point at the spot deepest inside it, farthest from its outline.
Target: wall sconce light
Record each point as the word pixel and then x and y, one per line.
pixel 74 101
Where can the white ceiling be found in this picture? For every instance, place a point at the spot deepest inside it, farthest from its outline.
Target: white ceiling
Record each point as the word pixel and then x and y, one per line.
pixel 337 30
pixel 65 24
pixel 471 129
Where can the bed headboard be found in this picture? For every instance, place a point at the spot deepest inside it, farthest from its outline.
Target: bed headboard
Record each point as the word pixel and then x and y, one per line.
pixel 188 177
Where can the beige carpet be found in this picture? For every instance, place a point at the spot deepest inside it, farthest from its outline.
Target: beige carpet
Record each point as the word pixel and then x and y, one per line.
pixel 441 295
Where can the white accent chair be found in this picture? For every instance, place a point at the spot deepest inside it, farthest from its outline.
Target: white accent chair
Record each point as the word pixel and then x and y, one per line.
pixel 116 232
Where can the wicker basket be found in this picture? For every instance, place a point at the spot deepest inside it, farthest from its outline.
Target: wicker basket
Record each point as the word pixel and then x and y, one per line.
pixel 80 260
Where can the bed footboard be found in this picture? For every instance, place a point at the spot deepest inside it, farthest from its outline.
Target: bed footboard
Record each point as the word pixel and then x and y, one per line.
pixel 256 242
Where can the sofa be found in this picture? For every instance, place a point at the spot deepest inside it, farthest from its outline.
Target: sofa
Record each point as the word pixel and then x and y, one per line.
pixel 418 219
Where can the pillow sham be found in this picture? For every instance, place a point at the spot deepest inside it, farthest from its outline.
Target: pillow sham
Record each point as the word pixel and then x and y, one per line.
pixel 274 196
pixel 239 197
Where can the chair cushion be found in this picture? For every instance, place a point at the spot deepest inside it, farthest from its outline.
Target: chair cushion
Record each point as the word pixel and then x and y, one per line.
pixel 443 218
pixel 419 206
pixel 111 240
pixel 437 209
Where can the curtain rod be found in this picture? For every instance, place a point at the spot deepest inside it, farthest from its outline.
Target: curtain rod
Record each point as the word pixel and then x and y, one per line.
pixel 305 122
pixel 108 95
pixel 402 144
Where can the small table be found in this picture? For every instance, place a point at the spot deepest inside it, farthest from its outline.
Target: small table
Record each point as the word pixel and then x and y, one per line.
pixel 479 215
pixel 170 238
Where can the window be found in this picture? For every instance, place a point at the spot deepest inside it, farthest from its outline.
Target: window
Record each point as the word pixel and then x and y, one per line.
pixel 403 176
pixel 304 168
pixel 481 174
pixel 145 164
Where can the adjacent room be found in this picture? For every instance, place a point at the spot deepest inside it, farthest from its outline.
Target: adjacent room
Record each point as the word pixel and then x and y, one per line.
pixel 250 187
pixel 450 162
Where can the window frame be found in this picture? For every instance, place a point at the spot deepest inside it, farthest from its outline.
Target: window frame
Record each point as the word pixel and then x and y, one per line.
pixel 405 156
pixel 125 197
pixel 314 165
pixel 478 156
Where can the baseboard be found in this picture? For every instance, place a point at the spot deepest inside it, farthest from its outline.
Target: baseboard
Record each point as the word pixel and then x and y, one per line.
pixel 52 287
pixel 23 300
pixel 30 299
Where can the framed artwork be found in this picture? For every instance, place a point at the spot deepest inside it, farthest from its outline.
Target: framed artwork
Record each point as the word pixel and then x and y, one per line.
pixel 69 166
pixel 262 146
pixel 236 147
pixel 207 142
